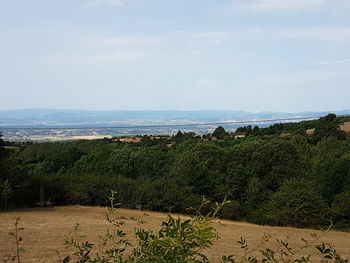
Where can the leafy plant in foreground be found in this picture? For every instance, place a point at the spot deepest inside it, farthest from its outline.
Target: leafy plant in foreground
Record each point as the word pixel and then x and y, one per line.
pixel 18 240
pixel 284 252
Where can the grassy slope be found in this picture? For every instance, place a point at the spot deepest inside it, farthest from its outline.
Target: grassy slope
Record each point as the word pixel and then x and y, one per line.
pixel 45 231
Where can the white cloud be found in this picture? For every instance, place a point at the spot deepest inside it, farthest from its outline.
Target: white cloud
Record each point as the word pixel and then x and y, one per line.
pixel 108 2
pixel 203 82
pixel 208 37
pixel 120 41
pixel 210 34
pixel 262 6
pixel 333 62
pixel 89 50
pixel 320 33
pixel 114 59
pixel 330 33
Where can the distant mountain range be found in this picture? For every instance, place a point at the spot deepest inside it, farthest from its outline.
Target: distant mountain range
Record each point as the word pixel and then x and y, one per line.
pixel 49 118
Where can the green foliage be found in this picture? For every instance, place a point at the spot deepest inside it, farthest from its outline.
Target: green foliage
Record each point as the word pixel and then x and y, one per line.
pixel 297 204
pixel 341 209
pixel 328 126
pixel 232 211
pixel 16 234
pixel 6 193
pixel 2 143
pixel 2 157
pixel 164 194
pixel 330 166
pixel 177 241
pixel 220 133
pixel 181 137
pixel 249 130
pixel 199 167
pixel 172 173
pixel 330 254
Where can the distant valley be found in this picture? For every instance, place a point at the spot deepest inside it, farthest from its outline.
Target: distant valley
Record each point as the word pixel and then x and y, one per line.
pixel 51 125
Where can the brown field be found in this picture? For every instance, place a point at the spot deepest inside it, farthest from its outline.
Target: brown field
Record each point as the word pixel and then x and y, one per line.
pixel 130 139
pixel 45 229
pixel 345 127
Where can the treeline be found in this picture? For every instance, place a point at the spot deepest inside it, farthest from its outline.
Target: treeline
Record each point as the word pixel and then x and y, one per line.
pixel 299 180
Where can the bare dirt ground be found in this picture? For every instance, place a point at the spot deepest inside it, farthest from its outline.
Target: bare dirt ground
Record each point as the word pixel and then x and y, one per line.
pixel 45 230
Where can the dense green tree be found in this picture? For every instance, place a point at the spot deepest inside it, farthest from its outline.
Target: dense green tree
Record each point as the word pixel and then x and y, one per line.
pixel 2 155
pixel 6 193
pixel 255 130
pixel 341 209
pixel 122 161
pixel 220 133
pixel 6 187
pixel 164 194
pixel 328 126
pixel 247 129
pixel 1 142
pixel 153 161
pixel 179 135
pixel 62 160
pixel 330 166
pixel 297 203
pixel 199 167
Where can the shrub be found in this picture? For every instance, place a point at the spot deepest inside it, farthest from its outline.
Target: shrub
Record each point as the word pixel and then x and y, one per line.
pixel 341 210
pixel 298 204
pixel 232 211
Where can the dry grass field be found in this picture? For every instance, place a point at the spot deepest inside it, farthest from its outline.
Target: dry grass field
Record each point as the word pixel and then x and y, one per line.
pixel 345 127
pixel 45 229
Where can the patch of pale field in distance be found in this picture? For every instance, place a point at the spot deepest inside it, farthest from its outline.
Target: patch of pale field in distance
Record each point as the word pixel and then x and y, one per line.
pixel 346 127
pixel 68 138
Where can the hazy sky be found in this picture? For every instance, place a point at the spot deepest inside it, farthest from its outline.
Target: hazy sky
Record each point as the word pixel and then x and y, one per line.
pixel 255 55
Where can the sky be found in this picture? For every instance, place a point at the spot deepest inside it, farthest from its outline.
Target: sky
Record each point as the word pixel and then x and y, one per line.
pixel 253 55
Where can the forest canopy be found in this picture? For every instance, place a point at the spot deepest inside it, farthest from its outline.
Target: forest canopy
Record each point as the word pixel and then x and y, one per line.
pixel 309 176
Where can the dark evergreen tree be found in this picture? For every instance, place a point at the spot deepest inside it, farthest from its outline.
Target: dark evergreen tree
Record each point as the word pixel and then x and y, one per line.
pixel 220 133
pixel 179 135
pixel 255 130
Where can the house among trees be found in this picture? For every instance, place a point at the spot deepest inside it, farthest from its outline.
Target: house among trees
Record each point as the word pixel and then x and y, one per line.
pixel 238 135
